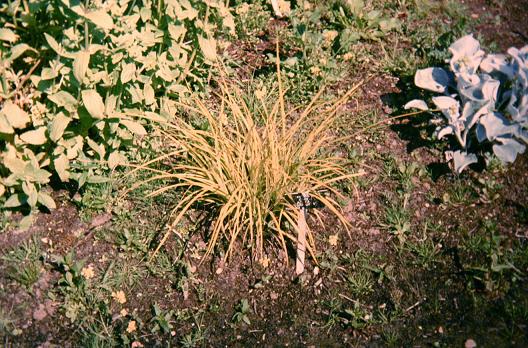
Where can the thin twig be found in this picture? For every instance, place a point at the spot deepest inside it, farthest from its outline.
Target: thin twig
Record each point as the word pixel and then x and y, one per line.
pixel 385 121
pixel 27 76
pixel 415 305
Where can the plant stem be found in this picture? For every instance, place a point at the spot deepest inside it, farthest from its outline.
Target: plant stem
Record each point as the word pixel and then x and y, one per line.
pixel 86 28
pixel 159 10
pixel 14 13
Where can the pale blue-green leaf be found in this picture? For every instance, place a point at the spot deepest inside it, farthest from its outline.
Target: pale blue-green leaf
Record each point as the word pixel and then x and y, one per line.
pixel 5 127
pixel 98 148
pixel 148 92
pixel 26 222
pixel 100 18
pixel 145 13
pixel 28 188
pixel 465 46
pixel 520 64
pixel 462 159
pixel 64 99
pixel 94 48
pixel 471 114
pixel 15 165
pixel 48 74
pixel 18 50
pixel 128 73
pixel 509 149
pixel 57 48
pixel 32 199
pixel 62 165
pixel 208 48
pixel 136 93
pixel 116 159
pixel 480 132
pixel 111 105
pixel 176 31
pixel 450 107
pixel 496 125
pixel 36 174
pixel 53 43
pixel 497 63
pixel 432 79
pixel 445 131
pixel 482 92
pixel 416 104
pixel 15 200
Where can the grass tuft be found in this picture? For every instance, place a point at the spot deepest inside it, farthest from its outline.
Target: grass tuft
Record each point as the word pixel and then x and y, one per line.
pixel 245 172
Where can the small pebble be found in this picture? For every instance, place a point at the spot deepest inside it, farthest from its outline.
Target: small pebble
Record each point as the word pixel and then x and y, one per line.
pixel 470 343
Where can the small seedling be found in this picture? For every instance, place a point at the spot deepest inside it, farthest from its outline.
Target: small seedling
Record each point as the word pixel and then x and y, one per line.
pixel 361 283
pixel 242 312
pixel 397 220
pixel 161 320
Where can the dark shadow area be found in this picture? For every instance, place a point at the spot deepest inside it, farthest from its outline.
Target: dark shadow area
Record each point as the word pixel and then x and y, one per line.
pixel 416 130
pixel 438 170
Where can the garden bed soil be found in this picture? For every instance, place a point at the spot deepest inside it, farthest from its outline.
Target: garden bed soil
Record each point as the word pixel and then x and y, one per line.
pixel 297 311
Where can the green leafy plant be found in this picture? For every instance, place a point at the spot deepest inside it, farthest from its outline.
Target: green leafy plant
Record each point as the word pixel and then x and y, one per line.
pixel 242 312
pixel 485 101
pixel 359 21
pixel 397 220
pixel 361 283
pixel 103 64
pixel 489 264
pixel 161 320
pixel 24 263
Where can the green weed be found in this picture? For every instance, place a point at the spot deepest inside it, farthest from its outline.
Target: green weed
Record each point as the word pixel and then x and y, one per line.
pixel 396 219
pixel 242 312
pixel 161 320
pixel 24 263
pixel 361 283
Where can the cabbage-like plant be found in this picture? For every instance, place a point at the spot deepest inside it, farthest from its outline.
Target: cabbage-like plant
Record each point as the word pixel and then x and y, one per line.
pixel 484 100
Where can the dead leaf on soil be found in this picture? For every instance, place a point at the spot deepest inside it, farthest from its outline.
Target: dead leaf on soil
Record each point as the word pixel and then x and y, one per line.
pixel 40 313
pixel 100 220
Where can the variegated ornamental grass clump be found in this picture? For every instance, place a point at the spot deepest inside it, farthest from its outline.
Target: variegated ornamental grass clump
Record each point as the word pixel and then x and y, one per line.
pixel 484 100
pixel 99 65
pixel 245 175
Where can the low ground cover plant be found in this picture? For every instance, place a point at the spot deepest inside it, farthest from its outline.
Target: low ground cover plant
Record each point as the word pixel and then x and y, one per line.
pixel 484 101
pixel 75 76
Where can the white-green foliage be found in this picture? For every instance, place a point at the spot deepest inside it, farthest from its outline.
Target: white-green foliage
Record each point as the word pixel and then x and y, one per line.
pixel 103 64
pixel 485 100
